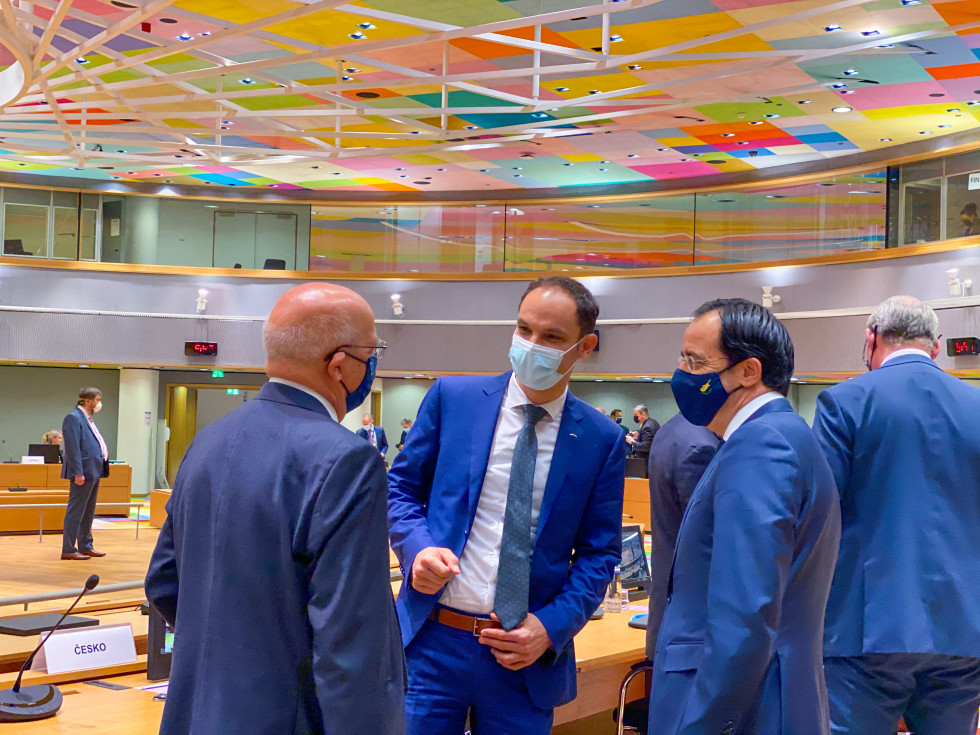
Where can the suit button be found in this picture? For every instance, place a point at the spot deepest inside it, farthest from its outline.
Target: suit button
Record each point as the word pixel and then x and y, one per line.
pixel 669 596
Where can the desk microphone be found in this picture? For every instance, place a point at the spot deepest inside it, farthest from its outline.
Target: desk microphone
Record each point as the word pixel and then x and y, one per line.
pixel 7 450
pixel 42 700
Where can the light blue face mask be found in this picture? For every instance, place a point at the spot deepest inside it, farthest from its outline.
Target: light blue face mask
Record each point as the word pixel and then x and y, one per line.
pixel 536 367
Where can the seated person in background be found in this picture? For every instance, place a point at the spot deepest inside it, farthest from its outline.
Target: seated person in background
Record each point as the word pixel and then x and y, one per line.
pixel 968 216
pixel 52 437
pixel 406 426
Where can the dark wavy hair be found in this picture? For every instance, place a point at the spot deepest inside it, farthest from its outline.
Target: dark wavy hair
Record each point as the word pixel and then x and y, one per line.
pixel 750 330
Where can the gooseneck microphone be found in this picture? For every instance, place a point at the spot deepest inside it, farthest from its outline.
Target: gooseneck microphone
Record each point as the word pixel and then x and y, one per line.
pixel 7 450
pixel 23 704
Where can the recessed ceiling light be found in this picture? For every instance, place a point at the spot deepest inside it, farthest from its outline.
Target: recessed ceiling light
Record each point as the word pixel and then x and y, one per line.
pixel 483 171
pixel 953 109
pixel 850 72
pixel 945 126
pixel 539 115
pixel 568 164
pixel 592 206
pixel 838 85
pixel 831 28
pixel 661 150
pixel 82 60
pixel 351 70
pixel 345 78
pixel 974 102
pixel 603 161
pixel 471 127
pixel 870 33
pixel 517 168
pixel 184 37
pixel 911 2
pixel 561 89
pixel 365 26
pixel 925 132
pixel 400 168
pixel 842 109
pixel 847 91
pixel 884 140
pixel 634 67
pixel 802 102
pixel 204 34
pixel 595 91
pixel 742 142
pixel 246 80
pixel 756 122
pixel 518 176
pixel 633 155
pixel 440 169
pixel 771 115
pixel 356 35
pixel 886 45
pixel 402 176
pixel 728 135
pixel 862 192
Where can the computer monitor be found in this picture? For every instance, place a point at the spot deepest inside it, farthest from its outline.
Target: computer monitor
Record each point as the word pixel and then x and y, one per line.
pixel 634 566
pixel 50 452
pixel 159 647
pixel 636 467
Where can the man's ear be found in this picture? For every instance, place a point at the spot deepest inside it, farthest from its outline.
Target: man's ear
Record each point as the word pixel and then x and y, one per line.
pixel 588 344
pixel 750 372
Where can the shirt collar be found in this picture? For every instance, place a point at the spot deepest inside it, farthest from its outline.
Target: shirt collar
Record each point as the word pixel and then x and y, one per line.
pixel 515 398
pixel 745 412
pixel 308 391
pixel 906 351
pixel 85 413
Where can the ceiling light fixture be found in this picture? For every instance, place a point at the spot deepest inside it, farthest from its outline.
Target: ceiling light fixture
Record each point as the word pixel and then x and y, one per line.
pixel 911 2
pixel 838 85
pixel 945 126
pixel 615 38
pixel 831 28
pixel 633 155
pixel 365 26
pixel 884 140
pixel 561 89
pixel 925 132
pixel 352 70
pixel 728 135
pixel 204 34
pixel 886 45
pixel 246 80
pixel 771 115
pixel 356 35
pixel 81 60
pixel 870 33
pixel 634 67
pixel 850 72
pixel 595 91
pixel 841 109
pixel 539 115
pixel 802 102
pixel 184 37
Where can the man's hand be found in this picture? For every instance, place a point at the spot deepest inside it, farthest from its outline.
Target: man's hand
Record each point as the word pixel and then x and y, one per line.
pixel 432 568
pixel 79 479
pixel 520 647
pixel 630 438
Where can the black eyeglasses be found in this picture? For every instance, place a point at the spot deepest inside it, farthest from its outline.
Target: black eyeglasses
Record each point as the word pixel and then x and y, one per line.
pixel 378 350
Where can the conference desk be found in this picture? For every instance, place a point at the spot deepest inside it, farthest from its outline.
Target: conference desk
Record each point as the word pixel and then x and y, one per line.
pixel 605 649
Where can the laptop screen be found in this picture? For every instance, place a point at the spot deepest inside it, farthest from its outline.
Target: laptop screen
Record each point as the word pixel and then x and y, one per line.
pixel 634 566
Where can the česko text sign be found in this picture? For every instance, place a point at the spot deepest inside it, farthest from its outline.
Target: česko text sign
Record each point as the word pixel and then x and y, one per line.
pixel 974 181
pixel 87 648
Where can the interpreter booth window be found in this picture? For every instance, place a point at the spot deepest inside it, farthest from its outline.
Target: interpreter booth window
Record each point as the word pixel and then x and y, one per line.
pixel 76 219
pixel 962 195
pixel 921 202
pixel 25 222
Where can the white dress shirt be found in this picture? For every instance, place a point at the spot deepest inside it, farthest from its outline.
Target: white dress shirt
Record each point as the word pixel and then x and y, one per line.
pixel 743 414
pixel 473 589
pixel 308 391
pixel 906 351
pixel 95 430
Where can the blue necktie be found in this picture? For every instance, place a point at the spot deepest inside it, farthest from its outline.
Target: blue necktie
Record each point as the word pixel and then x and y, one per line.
pixel 514 569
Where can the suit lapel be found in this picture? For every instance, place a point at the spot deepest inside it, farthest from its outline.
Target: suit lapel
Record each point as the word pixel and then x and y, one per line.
pixel 566 447
pixel 483 424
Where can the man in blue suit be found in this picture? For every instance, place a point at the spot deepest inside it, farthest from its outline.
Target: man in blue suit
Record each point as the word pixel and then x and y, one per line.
pixel 679 455
pixel 505 512
pixel 373 435
pixel 273 561
pixel 739 650
pixel 903 621
pixel 86 461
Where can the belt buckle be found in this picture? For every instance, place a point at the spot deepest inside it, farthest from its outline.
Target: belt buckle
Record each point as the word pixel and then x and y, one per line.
pixel 476 626
pixel 481 624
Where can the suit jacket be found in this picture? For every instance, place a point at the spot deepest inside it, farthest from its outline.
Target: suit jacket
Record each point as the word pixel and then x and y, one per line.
pixel 739 649
pixel 679 455
pixel 903 442
pixel 434 486
pixel 272 564
pixel 401 442
pixel 82 451
pixel 379 437
pixel 648 430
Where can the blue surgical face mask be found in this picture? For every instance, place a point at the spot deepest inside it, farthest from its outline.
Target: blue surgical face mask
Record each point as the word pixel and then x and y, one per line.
pixel 536 367
pixel 356 397
pixel 699 396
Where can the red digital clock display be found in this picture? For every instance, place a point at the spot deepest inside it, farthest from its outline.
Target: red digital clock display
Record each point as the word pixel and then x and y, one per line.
pixel 201 349
pixel 962 346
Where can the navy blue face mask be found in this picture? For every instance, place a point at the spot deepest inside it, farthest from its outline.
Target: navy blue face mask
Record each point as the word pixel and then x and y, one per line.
pixel 699 396
pixel 356 397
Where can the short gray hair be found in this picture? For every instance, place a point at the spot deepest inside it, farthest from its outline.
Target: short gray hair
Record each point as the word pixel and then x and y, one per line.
pixel 310 340
pixel 640 407
pixel 904 319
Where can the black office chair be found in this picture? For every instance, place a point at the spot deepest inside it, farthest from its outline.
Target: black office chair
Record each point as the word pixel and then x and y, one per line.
pixel 14 247
pixel 274 264
pixel 632 716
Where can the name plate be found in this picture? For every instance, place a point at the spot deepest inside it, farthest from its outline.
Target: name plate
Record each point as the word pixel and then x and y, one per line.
pixel 87 648
pixel 31 460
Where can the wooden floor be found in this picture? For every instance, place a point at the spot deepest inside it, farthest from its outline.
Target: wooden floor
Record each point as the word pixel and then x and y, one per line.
pixel 30 567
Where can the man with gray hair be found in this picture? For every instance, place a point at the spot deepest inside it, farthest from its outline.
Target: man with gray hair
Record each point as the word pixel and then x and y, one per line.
pixel 902 635
pixel 272 565
pixel 641 440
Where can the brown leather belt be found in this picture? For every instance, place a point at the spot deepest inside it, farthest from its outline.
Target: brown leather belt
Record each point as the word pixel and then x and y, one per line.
pixel 469 623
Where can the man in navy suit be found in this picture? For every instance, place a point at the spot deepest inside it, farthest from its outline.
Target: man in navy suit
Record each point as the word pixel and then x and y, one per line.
pixel 739 649
pixel 273 561
pixel 505 512
pixel 903 621
pixel 86 461
pixel 679 455
pixel 373 435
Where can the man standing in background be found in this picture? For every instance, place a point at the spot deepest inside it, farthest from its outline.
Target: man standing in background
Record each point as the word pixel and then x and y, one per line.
pixel 273 561
pixel 641 440
pixel 679 455
pixel 903 620
pixel 374 435
pixel 86 461
pixel 406 426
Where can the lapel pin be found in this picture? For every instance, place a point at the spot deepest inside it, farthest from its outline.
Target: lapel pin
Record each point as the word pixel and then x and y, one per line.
pixel 575 435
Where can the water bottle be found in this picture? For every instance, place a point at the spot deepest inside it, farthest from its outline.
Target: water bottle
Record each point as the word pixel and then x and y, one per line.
pixel 614 593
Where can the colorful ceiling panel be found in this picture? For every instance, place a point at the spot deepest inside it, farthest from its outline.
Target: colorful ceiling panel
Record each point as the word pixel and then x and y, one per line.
pixel 483 96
